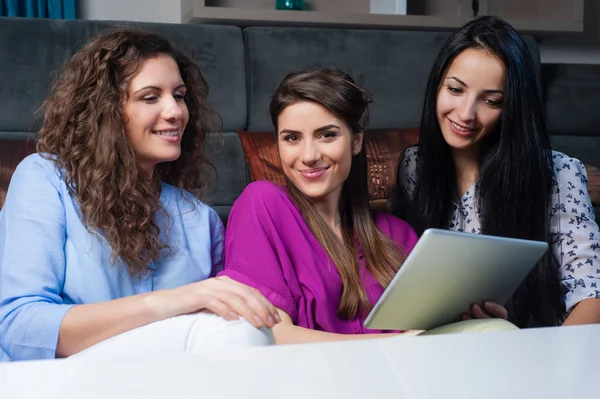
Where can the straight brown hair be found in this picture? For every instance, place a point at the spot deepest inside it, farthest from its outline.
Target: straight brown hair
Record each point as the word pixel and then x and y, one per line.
pixel 337 92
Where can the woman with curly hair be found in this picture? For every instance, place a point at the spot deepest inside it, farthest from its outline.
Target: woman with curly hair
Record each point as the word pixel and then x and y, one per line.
pixel 100 234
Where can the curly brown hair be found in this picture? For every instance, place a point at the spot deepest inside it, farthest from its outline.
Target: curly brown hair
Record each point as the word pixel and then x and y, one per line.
pixel 83 133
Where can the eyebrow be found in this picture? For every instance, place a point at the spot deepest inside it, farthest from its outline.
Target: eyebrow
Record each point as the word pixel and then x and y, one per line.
pixel 466 85
pixel 182 85
pixel 321 129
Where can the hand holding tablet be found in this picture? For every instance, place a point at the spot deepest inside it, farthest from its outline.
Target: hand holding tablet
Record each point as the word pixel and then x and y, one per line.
pixel 447 272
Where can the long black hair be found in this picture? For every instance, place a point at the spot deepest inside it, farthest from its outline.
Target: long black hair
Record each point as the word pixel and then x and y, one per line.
pixel 514 180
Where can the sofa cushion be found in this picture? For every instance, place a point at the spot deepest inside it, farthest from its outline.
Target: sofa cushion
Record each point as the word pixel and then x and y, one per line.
pixel 571 98
pixel 229 175
pixel 218 50
pixel 260 150
pixel 593 185
pixel 383 147
pixel 12 153
pixel 392 65
pixel 224 152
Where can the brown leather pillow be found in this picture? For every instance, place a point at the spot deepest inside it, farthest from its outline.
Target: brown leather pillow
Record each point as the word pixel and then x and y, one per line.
pixel 12 153
pixel 593 185
pixel 384 147
pixel 260 149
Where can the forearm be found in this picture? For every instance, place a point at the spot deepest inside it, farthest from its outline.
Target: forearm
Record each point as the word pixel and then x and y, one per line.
pixel 86 325
pixel 585 312
pixel 286 333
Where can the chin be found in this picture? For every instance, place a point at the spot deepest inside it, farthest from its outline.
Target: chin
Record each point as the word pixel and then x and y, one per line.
pixel 312 193
pixel 171 157
pixel 458 143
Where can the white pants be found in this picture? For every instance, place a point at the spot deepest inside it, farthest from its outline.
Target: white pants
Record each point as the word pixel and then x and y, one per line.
pixel 201 333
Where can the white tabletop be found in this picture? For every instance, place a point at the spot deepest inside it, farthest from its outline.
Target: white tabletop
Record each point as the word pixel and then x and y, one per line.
pixel 541 363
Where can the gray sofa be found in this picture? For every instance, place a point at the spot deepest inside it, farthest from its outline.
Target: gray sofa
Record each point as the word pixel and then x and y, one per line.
pixel 243 67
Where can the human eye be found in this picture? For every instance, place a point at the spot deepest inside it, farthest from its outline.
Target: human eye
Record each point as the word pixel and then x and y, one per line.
pixel 150 98
pixel 179 94
pixel 328 135
pixel 291 138
pixel 454 90
pixel 493 103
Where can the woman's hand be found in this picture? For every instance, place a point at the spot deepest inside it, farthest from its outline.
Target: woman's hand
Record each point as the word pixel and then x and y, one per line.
pixel 489 310
pixel 221 295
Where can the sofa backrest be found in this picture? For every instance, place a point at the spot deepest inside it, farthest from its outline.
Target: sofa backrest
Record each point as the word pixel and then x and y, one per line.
pixel 33 50
pixel 572 101
pixel 244 66
pixel 392 65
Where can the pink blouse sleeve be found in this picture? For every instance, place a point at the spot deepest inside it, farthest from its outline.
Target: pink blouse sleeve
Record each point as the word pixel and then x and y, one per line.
pixel 256 244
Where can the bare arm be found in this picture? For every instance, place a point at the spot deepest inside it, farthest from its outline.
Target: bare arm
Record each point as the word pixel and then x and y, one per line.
pixel 86 325
pixel 288 333
pixel 585 312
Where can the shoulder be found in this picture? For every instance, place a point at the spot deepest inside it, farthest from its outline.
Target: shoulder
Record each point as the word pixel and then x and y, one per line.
pixel 408 161
pixel 409 157
pixel 261 203
pixel 397 229
pixel 568 170
pixel 264 192
pixel 36 168
pixel 177 200
pixel 37 163
pixel 411 152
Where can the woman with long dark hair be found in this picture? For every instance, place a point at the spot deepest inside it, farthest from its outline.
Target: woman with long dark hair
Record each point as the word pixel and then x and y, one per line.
pixel 484 164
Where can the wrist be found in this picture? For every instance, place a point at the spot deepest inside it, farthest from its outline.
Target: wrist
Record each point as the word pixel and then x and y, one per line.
pixel 159 305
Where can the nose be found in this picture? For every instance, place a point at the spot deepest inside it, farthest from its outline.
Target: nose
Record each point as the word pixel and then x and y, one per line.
pixel 468 109
pixel 172 109
pixel 310 152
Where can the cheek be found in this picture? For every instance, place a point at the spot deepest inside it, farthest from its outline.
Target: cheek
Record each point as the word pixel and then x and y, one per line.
pixel 185 112
pixel 342 156
pixel 137 118
pixel 445 104
pixel 490 118
pixel 132 130
pixel 286 155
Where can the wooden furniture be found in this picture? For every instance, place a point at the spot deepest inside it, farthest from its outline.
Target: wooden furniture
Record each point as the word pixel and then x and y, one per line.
pixel 536 17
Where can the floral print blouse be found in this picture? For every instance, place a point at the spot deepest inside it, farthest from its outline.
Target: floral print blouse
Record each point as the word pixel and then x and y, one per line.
pixel 575 234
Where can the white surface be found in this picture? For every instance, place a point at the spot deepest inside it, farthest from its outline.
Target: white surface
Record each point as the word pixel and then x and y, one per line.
pixel 560 362
pixel 387 7
pixel 542 363
pixel 197 333
pixel 446 272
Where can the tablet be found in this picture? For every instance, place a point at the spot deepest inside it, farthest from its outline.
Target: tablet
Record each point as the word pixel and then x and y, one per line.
pixel 446 272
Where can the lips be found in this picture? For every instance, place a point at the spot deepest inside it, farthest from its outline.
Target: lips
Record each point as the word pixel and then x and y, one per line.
pixel 314 173
pixel 460 129
pixel 169 135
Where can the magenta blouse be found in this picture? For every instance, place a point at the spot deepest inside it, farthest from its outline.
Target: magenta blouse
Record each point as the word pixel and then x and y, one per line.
pixel 268 246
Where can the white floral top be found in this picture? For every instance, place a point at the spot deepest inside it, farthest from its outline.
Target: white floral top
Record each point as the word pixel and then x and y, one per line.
pixel 575 234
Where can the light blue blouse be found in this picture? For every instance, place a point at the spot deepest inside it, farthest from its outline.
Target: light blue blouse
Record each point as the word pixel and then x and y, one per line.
pixel 49 261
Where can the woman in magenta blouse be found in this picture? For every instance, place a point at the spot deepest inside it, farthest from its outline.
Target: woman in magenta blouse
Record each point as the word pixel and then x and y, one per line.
pixel 314 248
